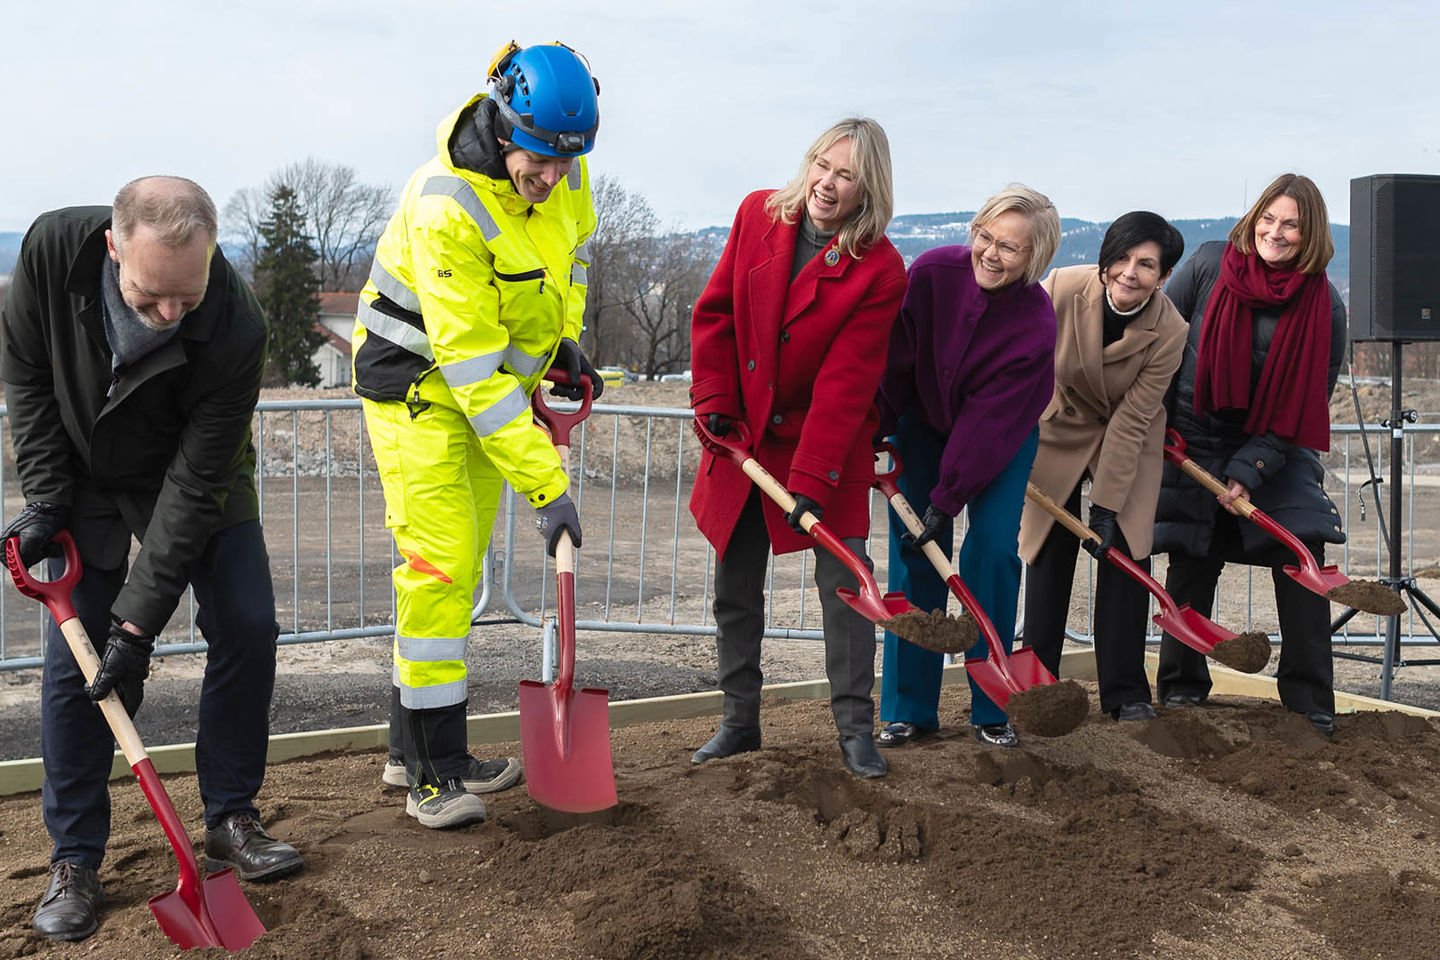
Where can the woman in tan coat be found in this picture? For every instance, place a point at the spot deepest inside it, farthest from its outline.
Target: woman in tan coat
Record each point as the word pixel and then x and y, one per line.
pixel 1119 342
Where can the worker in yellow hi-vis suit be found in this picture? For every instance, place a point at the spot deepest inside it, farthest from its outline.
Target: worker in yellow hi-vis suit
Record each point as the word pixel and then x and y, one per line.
pixel 478 288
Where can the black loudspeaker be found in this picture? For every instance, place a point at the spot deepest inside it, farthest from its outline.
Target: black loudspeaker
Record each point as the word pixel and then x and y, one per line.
pixel 1395 257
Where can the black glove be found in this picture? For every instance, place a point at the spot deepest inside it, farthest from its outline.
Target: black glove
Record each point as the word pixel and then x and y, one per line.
pixel 1102 521
pixel 35 526
pixel 934 520
pixel 573 361
pixel 719 424
pixel 124 665
pixel 803 504
pixel 555 516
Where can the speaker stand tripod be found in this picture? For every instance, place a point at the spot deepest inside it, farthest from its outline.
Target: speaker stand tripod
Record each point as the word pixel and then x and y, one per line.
pixel 1416 599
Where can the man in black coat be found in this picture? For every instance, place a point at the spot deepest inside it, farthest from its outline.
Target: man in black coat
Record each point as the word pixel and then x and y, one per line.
pixel 132 355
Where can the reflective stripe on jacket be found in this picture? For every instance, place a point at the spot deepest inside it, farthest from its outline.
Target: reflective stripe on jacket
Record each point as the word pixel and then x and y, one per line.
pixel 474 283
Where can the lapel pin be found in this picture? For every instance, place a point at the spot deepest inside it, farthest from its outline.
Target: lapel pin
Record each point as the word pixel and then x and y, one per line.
pixel 832 257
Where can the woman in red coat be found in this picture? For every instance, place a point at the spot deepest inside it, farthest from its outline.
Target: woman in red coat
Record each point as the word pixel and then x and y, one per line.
pixel 797 317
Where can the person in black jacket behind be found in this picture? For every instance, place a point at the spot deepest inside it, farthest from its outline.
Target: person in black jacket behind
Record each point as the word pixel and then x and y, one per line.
pixel 1267 338
pixel 131 355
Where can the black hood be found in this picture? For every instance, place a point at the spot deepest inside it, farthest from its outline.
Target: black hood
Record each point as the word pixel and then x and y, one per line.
pixel 475 144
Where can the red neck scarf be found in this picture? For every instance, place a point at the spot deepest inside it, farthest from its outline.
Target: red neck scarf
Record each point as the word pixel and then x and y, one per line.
pixel 1292 396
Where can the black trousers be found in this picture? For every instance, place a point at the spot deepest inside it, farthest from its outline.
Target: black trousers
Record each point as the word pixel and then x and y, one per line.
pixel 235 603
pixel 1306 676
pixel 1121 606
pixel 740 617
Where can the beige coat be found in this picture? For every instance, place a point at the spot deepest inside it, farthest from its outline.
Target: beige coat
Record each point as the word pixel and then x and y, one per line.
pixel 1107 415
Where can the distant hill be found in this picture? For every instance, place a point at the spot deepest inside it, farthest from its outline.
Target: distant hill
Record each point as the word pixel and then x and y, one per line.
pixel 915 233
pixel 1080 242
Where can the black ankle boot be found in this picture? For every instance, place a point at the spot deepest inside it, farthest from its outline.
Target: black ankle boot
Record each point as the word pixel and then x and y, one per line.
pixel 861 757
pixel 727 742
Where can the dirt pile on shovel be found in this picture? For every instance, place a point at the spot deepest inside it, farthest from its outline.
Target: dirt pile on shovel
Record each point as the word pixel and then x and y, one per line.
pixel 1049 710
pixel 1228 830
pixel 935 630
pixel 1247 653
pixel 1369 596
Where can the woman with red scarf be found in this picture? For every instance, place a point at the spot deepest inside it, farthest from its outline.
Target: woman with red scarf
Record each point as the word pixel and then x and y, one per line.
pixel 1267 338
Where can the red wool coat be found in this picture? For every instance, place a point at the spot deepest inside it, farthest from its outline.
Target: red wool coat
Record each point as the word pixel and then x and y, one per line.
pixel 771 353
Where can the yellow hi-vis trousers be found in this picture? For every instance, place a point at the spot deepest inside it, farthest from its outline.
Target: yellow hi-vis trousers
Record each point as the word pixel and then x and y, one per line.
pixel 441 496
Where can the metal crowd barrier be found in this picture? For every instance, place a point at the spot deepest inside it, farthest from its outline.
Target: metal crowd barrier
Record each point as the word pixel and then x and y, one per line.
pixel 644 569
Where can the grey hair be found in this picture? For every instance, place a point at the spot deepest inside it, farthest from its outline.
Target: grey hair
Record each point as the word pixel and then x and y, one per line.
pixel 175 208
pixel 1044 224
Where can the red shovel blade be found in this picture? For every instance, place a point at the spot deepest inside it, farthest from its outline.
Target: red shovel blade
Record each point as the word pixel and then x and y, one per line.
pixel 208 913
pixel 1190 627
pixel 989 678
pixel 1027 670
pixel 565 740
pixel 871 605
pixel 221 918
pixel 565 734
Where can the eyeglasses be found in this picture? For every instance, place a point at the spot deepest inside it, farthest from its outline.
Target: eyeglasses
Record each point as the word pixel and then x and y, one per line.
pixel 1007 251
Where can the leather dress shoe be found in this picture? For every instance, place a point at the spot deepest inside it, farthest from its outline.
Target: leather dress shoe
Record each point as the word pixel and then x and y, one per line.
pixel 241 842
pixel 1324 723
pixel 70 908
pixel 861 757
pixel 1138 710
pixel 727 742
pixel 899 733
pixel 1183 698
pixel 997 735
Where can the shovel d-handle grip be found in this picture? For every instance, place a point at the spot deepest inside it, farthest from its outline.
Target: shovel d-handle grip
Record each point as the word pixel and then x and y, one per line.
pixel 55 594
pixel 558 423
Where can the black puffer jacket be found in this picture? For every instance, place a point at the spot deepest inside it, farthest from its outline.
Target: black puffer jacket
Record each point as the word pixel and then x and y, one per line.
pixel 1286 481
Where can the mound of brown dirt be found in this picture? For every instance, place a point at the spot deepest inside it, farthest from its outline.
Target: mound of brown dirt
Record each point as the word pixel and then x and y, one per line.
pixel 1229 830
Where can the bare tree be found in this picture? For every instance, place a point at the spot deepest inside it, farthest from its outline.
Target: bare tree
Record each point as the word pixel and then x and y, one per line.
pixel 343 217
pixel 625 224
pixel 668 276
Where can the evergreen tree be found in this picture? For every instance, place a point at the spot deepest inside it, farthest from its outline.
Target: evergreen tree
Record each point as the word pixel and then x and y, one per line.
pixel 286 285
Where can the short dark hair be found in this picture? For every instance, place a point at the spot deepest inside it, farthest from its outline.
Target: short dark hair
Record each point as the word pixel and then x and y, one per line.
pixel 1136 227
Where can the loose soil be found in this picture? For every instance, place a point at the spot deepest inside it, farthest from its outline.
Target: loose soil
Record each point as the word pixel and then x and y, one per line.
pixel 1369 597
pixel 1049 710
pixel 1230 830
pixel 1247 652
pixel 935 630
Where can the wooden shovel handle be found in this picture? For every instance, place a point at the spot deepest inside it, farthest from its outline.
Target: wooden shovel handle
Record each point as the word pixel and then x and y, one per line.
pixel 773 489
pixel 1207 480
pixel 1062 516
pixel 916 526
pixel 120 723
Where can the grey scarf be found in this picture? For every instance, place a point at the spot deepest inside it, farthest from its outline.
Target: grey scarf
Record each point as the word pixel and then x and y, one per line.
pixel 129 338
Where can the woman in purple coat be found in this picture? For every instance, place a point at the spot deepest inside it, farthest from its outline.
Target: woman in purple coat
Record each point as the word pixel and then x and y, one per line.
pixel 971 369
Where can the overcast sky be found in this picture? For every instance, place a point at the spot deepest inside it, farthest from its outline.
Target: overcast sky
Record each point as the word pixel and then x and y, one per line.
pixel 1187 109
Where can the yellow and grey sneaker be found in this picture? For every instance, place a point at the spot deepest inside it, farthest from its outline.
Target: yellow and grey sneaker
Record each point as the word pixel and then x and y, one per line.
pixel 447 805
pixel 481 776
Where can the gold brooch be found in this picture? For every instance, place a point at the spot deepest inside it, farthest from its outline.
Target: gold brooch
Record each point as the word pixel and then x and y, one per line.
pixel 832 257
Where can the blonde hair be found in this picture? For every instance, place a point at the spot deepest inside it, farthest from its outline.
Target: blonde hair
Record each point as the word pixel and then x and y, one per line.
pixel 1044 224
pixel 173 207
pixel 1316 245
pixel 870 158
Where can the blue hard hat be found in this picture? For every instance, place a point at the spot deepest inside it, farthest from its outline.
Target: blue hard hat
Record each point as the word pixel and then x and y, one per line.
pixel 548 97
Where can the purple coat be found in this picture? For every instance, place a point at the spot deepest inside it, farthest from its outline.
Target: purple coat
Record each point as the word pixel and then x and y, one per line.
pixel 978 368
